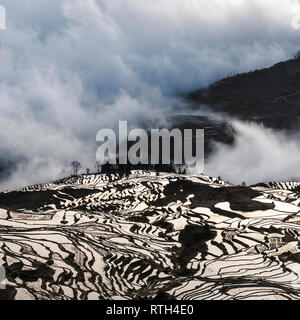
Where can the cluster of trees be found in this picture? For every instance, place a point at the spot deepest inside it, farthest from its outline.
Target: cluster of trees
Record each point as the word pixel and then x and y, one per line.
pixel 125 169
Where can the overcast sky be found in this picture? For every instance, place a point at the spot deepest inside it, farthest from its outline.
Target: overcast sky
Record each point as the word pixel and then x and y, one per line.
pixel 71 67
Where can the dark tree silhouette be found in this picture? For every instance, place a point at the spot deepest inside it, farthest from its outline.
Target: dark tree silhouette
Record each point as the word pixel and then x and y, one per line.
pixel 75 167
pixel 98 167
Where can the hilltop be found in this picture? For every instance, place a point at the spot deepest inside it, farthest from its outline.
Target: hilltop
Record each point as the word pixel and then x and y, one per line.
pixel 270 96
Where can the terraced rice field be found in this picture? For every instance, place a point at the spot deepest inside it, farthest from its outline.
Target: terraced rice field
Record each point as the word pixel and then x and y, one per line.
pixel 149 236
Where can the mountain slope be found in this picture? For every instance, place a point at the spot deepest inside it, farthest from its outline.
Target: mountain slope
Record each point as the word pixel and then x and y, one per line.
pixel 149 236
pixel 271 95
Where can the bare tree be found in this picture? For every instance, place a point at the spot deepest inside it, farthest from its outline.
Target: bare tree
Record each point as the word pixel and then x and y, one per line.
pixel 98 167
pixel 75 167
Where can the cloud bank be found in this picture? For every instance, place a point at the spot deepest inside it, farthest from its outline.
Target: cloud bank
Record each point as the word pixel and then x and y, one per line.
pixel 258 155
pixel 72 67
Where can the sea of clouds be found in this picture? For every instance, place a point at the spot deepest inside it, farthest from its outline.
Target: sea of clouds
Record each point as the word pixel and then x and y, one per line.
pixel 71 67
